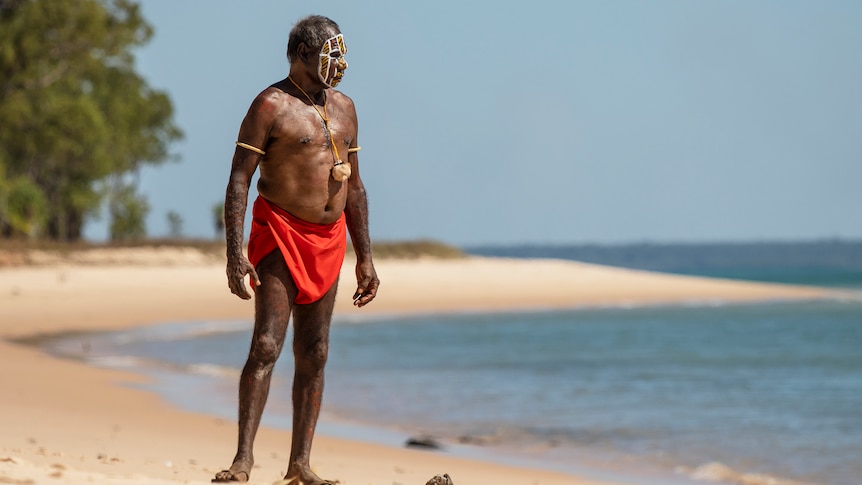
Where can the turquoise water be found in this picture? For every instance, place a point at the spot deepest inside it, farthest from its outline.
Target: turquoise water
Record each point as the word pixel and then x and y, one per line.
pixel 828 262
pixel 667 392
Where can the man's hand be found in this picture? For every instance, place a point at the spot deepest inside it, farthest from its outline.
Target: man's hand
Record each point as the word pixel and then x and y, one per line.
pixel 237 268
pixel 366 284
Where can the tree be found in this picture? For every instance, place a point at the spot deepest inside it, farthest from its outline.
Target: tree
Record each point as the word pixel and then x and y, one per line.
pixel 76 116
pixel 218 218
pixel 23 209
pixel 128 213
pixel 175 223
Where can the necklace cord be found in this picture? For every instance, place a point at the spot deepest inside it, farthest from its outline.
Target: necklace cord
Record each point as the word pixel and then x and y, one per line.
pixel 324 116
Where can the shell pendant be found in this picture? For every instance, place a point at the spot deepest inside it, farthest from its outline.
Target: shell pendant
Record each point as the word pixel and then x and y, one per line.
pixel 341 171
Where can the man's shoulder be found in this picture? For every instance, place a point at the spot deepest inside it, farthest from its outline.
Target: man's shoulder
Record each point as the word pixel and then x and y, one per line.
pixel 337 96
pixel 273 91
pixel 272 96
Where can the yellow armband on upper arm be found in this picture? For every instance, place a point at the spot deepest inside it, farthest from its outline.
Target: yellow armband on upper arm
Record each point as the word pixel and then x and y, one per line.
pixel 249 147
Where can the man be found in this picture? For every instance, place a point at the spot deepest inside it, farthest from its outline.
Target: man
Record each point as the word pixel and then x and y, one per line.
pixel 303 136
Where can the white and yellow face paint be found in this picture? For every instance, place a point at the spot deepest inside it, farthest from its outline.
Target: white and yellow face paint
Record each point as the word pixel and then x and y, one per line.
pixel 332 63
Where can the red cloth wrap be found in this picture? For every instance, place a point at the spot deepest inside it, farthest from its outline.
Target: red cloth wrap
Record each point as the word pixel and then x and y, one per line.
pixel 313 252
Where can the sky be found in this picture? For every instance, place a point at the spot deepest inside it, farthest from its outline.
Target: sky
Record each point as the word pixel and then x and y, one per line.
pixel 543 122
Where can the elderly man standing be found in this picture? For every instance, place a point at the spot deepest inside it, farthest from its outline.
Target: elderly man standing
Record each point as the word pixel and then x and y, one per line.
pixel 302 133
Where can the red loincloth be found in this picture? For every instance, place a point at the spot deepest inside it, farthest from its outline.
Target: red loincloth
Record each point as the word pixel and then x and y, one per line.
pixel 313 252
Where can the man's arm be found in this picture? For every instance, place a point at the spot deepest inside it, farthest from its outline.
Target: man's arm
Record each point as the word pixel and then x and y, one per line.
pixel 254 132
pixel 356 212
pixel 235 202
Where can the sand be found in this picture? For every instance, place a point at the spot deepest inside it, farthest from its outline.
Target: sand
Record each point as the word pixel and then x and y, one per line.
pixel 67 422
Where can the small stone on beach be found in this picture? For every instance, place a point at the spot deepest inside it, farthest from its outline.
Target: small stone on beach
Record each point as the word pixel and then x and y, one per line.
pixel 425 442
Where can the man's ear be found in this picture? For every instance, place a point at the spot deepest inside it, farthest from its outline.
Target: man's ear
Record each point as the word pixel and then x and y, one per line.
pixel 303 51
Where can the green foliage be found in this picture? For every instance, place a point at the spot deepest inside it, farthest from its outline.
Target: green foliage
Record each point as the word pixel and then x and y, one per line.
pixel 422 248
pixel 218 218
pixel 73 110
pixel 128 214
pixel 23 208
pixel 175 223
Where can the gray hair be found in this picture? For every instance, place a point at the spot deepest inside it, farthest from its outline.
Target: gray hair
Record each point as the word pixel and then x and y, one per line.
pixel 311 31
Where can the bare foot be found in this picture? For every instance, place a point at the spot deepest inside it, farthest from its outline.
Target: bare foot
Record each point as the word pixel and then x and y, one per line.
pixel 304 477
pixel 238 472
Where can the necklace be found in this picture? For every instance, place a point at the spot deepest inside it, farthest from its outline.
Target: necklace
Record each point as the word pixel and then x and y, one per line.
pixel 340 170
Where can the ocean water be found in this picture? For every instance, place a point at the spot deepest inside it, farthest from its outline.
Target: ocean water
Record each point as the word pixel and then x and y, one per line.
pixel 770 393
pixel 830 262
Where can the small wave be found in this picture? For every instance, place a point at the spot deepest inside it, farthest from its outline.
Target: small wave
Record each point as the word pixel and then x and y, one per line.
pixel 103 345
pixel 117 361
pixel 137 363
pixel 212 370
pixel 720 473
pixel 176 331
pixel 847 295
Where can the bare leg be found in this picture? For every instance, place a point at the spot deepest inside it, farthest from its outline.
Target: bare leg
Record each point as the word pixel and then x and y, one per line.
pixel 272 305
pixel 310 350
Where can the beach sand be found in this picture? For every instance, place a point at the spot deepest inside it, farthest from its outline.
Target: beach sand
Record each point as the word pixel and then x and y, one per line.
pixel 63 421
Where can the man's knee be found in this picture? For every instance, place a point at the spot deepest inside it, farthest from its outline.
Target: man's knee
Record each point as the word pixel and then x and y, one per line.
pixel 265 350
pixel 311 357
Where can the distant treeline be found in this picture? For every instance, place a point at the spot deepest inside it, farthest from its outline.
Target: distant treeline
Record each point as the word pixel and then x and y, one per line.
pixel 423 248
pixel 19 252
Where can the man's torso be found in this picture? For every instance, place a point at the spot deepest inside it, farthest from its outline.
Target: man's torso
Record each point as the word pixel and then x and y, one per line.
pixel 295 172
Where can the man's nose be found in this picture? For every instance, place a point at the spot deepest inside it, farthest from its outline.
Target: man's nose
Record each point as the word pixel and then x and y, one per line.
pixel 342 64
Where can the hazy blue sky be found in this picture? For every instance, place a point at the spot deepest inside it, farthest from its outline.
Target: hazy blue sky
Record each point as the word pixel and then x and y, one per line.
pixel 545 122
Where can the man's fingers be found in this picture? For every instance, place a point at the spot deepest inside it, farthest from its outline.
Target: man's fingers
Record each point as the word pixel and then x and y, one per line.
pixel 240 292
pixel 255 280
pixel 364 295
pixel 238 289
pixel 236 271
pixel 360 290
pixel 364 300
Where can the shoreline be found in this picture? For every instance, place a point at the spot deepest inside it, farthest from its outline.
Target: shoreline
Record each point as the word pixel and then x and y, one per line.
pixel 74 420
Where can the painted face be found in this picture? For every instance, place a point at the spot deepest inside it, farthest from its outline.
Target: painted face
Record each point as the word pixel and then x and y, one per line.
pixel 332 63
